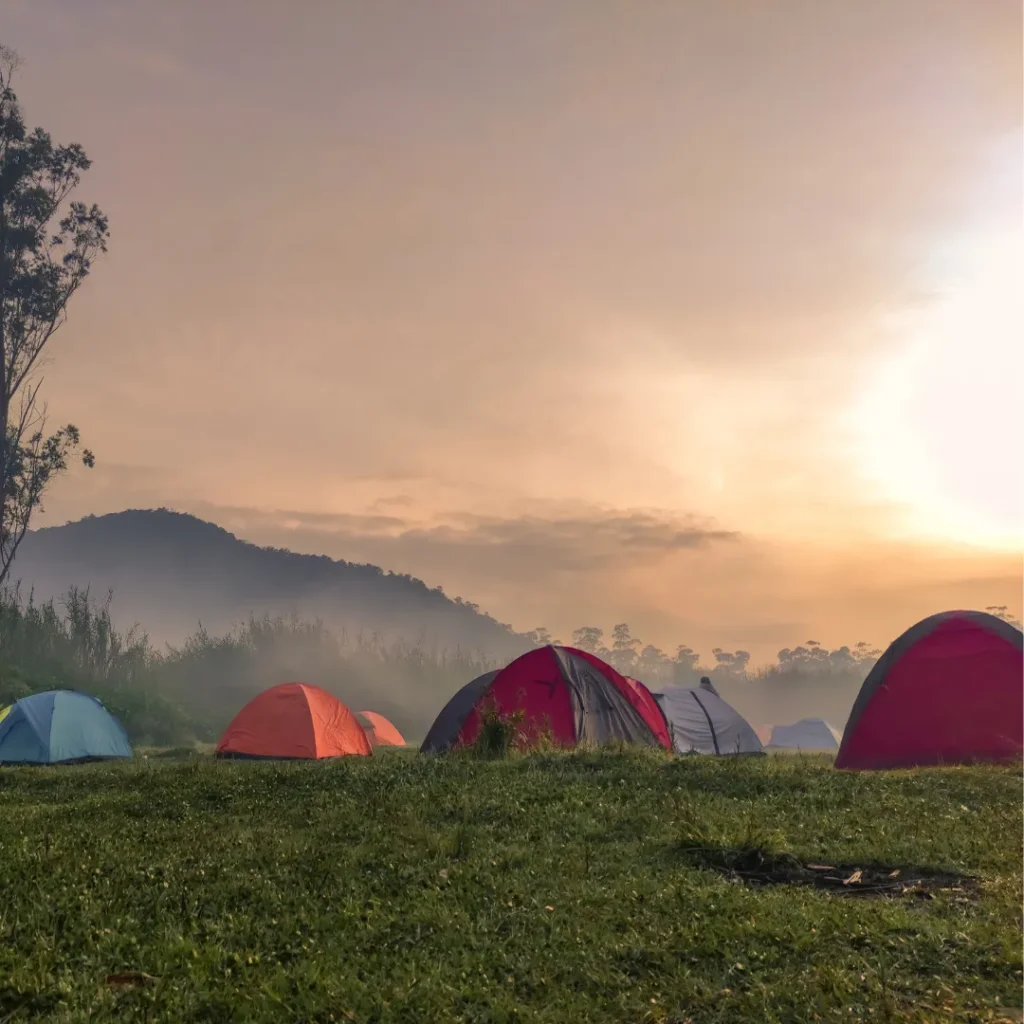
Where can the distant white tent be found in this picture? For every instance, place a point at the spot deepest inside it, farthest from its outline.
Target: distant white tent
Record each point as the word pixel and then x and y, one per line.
pixel 701 722
pixel 807 734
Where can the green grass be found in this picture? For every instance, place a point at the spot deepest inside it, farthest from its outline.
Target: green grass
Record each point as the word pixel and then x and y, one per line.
pixel 553 887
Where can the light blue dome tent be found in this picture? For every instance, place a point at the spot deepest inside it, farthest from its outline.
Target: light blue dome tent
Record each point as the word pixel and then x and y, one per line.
pixel 59 727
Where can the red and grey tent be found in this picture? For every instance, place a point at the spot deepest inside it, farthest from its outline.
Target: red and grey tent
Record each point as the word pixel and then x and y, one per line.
pixel 568 694
pixel 949 690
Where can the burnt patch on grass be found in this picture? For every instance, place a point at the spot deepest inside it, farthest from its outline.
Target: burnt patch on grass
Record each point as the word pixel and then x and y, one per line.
pixel 759 868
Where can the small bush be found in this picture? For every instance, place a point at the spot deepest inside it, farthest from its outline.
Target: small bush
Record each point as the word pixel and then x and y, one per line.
pixel 499 732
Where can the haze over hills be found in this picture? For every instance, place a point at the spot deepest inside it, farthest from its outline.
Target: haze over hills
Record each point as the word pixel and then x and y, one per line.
pixel 170 571
pixel 173 572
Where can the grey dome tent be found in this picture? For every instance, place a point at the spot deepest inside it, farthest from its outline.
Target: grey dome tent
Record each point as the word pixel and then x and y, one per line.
pixel 807 734
pixel 700 722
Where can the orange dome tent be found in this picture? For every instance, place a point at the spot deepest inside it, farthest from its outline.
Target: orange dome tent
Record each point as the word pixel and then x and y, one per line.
pixel 293 720
pixel 379 731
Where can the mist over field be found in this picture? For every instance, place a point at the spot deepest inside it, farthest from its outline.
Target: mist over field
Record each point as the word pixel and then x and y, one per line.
pixel 166 605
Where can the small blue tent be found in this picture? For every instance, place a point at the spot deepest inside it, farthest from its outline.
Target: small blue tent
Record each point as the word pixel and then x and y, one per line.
pixel 60 726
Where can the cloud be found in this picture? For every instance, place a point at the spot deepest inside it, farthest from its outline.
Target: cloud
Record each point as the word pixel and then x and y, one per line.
pixel 396 532
pixel 336 523
pixel 581 543
pixel 577 544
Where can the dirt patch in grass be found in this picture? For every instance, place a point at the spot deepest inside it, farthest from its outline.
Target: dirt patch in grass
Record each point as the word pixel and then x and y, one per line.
pixel 756 867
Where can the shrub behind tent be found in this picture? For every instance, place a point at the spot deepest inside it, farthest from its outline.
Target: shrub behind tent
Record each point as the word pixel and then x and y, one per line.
pixel 60 727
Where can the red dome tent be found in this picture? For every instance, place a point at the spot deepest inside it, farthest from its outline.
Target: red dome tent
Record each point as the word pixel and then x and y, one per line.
pixel 293 720
pixel 379 731
pixel 570 694
pixel 949 690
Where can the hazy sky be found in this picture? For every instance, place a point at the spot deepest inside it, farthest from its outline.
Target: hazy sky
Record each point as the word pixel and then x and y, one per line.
pixel 704 316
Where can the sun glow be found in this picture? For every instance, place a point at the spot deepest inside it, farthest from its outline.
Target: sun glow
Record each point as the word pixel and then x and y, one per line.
pixel 942 427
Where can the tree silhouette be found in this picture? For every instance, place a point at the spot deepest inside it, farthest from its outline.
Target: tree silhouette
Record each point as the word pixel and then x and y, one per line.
pixel 42 265
pixel 624 649
pixel 588 638
pixel 1001 611
pixel 540 637
pixel 806 663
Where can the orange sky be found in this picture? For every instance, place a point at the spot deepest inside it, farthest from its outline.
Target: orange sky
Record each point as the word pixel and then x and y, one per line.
pixel 701 316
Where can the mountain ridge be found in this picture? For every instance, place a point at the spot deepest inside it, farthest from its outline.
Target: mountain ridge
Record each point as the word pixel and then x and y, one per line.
pixel 158 562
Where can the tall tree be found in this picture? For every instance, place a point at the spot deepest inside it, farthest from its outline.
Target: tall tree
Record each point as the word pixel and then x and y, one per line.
pixel 686 669
pixel 541 637
pixel 652 667
pixel 588 638
pixel 47 247
pixel 624 648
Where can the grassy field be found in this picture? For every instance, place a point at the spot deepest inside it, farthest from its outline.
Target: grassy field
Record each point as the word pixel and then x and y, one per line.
pixel 556 888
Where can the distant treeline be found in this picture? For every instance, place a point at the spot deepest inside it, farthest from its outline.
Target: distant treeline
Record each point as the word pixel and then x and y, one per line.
pixel 633 657
pixel 190 692
pixel 805 681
